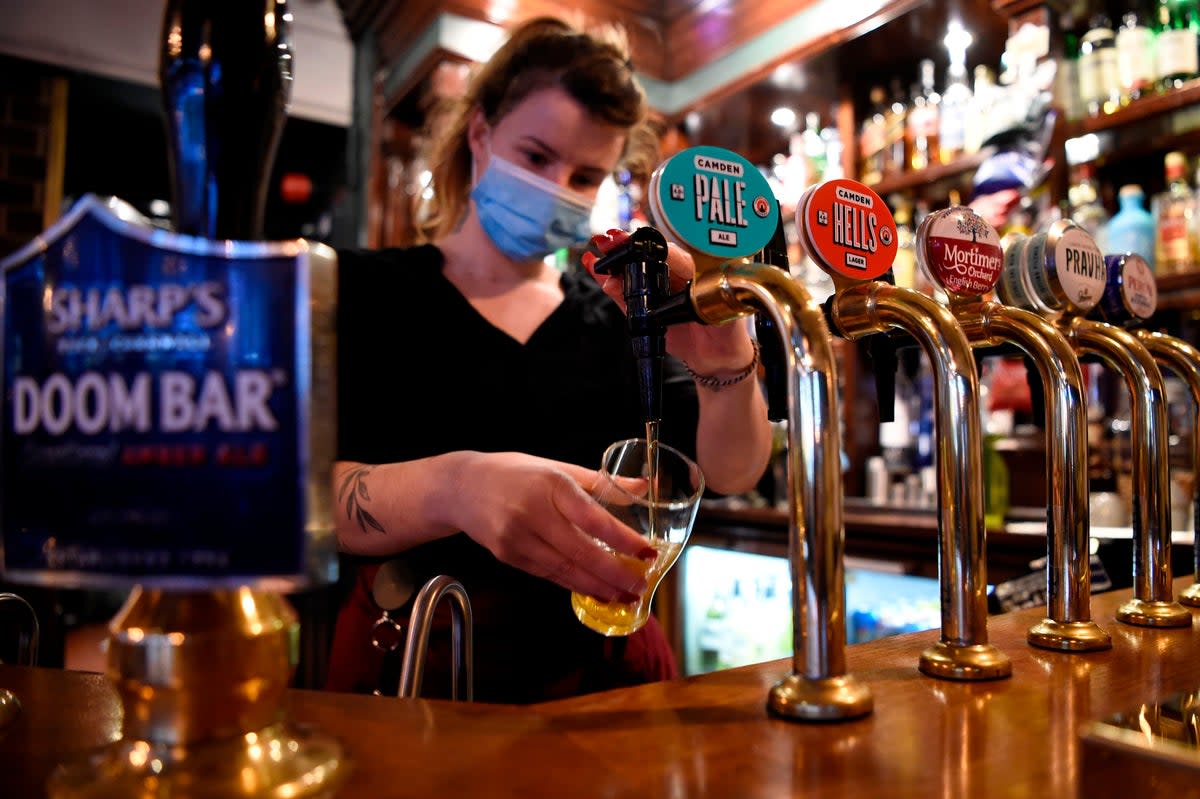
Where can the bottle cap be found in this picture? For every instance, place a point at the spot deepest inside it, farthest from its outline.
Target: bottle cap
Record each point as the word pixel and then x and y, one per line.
pixel 1131 190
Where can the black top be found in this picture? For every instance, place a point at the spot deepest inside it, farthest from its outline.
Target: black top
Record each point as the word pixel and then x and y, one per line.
pixel 421 372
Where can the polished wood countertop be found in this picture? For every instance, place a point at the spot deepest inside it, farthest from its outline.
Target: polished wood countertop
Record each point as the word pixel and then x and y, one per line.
pixel 705 736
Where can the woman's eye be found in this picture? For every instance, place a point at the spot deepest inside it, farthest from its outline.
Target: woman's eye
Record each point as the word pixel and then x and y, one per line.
pixel 536 159
pixel 584 182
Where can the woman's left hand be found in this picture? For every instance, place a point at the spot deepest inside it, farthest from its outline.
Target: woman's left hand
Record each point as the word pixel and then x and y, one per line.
pixel 706 349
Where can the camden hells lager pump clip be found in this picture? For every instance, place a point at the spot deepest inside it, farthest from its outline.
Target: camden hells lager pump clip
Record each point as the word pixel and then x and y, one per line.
pixel 169 429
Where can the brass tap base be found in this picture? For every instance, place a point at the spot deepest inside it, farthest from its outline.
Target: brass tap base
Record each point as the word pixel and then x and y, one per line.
pixel 1147 613
pixel 965 662
pixel 281 760
pixel 202 678
pixel 798 698
pixel 1069 636
pixel 10 707
pixel 1191 595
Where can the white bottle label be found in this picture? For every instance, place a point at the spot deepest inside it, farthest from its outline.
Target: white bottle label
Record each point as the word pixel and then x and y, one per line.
pixel 1177 53
pixel 1098 74
pixel 1135 57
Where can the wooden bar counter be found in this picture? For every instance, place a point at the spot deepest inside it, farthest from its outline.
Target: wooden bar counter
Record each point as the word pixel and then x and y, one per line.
pixel 709 736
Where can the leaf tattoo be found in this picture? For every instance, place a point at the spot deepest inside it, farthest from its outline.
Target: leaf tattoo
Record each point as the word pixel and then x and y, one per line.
pixel 353 491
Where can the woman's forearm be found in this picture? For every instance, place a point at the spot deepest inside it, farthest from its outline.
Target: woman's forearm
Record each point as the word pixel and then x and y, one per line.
pixel 387 508
pixel 733 439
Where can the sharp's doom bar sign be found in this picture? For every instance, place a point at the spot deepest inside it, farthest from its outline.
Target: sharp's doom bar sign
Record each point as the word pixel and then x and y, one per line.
pixel 159 396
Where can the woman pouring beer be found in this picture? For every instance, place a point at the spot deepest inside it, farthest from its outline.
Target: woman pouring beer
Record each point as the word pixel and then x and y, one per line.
pixel 478 387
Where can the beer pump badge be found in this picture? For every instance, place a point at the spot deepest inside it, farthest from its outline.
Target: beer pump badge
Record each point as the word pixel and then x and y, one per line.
pixel 714 201
pixel 960 251
pixel 156 405
pixel 1131 291
pixel 847 229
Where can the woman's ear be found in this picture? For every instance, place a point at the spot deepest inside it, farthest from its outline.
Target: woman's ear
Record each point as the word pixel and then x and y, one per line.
pixel 478 137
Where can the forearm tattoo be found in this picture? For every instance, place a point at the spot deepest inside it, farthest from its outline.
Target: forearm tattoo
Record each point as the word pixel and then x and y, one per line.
pixel 353 491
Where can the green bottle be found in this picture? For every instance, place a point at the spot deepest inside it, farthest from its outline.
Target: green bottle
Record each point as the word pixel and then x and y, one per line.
pixel 995 470
pixel 1178 52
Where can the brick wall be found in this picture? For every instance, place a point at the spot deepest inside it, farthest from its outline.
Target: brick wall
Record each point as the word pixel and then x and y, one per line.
pixel 32 148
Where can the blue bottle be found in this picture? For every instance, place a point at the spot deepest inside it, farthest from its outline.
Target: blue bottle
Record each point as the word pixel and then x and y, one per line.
pixel 1132 228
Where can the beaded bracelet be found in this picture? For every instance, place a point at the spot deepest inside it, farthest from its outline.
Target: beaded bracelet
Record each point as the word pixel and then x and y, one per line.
pixel 717 383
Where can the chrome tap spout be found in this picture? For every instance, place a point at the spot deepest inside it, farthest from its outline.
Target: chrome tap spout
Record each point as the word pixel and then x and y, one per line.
pixel 1184 360
pixel 412 668
pixel 1068 626
pixel 963 652
pixel 1123 351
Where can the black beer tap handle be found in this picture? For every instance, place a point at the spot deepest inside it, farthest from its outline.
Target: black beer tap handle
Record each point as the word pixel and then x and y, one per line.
pixel 641 263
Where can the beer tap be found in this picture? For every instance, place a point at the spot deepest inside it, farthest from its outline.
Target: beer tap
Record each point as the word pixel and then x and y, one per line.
pixel 719 207
pixel 1061 274
pixel 641 263
pixel 962 254
pixel 848 230
pixel 1130 299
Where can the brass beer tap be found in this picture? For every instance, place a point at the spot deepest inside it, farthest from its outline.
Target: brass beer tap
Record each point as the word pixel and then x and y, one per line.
pixel 1131 298
pixel 848 230
pixel 1061 274
pixel 716 205
pixel 962 254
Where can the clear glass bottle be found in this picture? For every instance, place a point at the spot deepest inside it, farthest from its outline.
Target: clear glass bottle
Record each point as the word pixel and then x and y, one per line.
pixel 872 140
pixel 979 112
pixel 1136 67
pixel 1175 27
pixel 1099 80
pixel 1174 209
pixel 952 119
pixel 1087 210
pixel 923 120
pixel 896 137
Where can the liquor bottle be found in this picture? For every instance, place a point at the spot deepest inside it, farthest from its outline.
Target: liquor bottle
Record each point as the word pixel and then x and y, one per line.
pixel 1132 228
pixel 1087 210
pixel 952 121
pixel 1099 81
pixel 1175 247
pixel 979 110
pixel 814 146
pixel 923 120
pixel 896 136
pixel 904 267
pixel 1175 28
pixel 832 147
pixel 1066 76
pixel 1136 68
pixel 872 143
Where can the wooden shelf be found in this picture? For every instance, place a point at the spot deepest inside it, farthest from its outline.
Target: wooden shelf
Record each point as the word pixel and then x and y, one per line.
pixel 1145 108
pixel 904 181
pixel 1179 291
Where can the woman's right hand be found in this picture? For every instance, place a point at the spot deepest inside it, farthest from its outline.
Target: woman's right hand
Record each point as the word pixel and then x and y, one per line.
pixel 536 514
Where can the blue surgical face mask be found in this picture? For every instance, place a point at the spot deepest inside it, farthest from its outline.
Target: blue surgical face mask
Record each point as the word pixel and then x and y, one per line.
pixel 527 216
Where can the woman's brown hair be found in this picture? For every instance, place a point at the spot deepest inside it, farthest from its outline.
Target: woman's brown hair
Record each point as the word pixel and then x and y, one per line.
pixel 592 67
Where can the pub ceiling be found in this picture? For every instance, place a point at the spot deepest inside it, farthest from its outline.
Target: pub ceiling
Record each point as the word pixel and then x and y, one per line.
pixel 721 64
